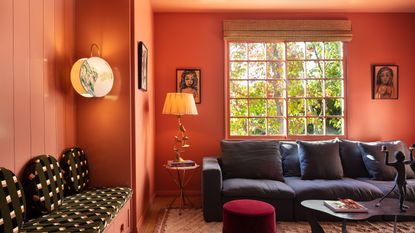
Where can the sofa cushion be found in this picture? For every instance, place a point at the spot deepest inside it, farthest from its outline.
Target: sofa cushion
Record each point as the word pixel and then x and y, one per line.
pixel 386 186
pixel 374 159
pixel 12 202
pixel 251 159
pixel 351 157
pixel 43 184
pixel 333 189
pixel 75 170
pixel 320 160
pixel 246 188
pixel 290 160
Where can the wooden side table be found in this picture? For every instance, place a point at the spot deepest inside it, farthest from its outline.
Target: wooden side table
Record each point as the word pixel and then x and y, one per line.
pixel 181 180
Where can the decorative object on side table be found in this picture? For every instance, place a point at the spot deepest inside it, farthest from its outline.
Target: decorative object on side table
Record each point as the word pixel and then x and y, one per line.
pixel 189 81
pixel 385 82
pixel 180 104
pixel 400 179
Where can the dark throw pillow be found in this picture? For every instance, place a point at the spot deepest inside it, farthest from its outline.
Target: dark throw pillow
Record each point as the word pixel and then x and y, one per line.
pixel 75 170
pixel 12 202
pixel 320 160
pixel 351 157
pixel 374 159
pixel 251 159
pixel 290 159
pixel 43 184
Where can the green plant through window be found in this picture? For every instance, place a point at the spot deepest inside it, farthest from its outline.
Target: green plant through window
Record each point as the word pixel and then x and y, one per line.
pixel 286 89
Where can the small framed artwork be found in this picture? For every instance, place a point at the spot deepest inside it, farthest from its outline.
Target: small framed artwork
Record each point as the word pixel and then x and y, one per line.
pixel 189 81
pixel 385 81
pixel 142 66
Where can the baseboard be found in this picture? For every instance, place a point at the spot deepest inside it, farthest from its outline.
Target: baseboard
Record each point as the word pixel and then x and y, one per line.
pixel 140 221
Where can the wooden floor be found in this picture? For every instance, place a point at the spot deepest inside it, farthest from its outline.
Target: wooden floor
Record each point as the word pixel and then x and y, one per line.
pixel 150 219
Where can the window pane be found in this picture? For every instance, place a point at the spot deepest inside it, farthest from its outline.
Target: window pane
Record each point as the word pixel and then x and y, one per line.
pixel 275 70
pixel 334 107
pixel 257 107
pixel 238 126
pixel 257 126
pixel 334 69
pixel 334 88
pixel 276 108
pixel 237 51
pixel 334 126
pixel 256 51
pixel 315 126
pixel 238 70
pixel 295 69
pixel 257 89
pixel 296 126
pixel 276 126
pixel 314 88
pixel 257 70
pixel 295 50
pixel 275 51
pixel 238 89
pixel 296 107
pixel 314 69
pixel 296 88
pixel 314 107
pixel 239 108
pixel 314 50
pixel 333 50
pixel 275 89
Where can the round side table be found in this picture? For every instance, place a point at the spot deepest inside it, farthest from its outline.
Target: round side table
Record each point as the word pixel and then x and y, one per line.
pixel 181 177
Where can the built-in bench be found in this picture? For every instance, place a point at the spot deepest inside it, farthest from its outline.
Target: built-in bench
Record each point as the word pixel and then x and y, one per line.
pixel 55 199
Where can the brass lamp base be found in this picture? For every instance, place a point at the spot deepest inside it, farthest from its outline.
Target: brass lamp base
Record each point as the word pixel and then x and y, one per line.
pixel 180 141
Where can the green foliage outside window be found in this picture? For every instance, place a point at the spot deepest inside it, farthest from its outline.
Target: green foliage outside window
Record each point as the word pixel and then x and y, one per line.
pixel 280 89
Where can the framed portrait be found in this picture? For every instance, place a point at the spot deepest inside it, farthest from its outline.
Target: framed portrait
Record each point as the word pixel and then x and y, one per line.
pixel 142 66
pixel 189 81
pixel 385 81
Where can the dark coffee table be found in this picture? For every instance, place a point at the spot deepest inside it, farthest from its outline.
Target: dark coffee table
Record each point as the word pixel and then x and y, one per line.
pixel 388 207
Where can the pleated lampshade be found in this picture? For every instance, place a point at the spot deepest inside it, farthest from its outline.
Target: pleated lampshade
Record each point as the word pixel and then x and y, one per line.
pixel 179 104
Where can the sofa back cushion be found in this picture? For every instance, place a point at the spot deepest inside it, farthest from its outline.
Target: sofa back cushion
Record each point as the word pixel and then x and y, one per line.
pixel 75 170
pixel 290 159
pixel 43 184
pixel 374 159
pixel 352 161
pixel 12 202
pixel 320 160
pixel 251 159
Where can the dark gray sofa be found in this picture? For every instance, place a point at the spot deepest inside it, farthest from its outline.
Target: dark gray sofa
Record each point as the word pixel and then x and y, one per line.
pixel 286 173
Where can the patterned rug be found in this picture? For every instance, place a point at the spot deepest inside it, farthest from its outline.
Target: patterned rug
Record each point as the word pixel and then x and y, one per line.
pixel 191 221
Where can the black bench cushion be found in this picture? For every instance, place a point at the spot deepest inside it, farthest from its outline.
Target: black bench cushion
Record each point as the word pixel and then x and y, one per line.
pixel 75 170
pixel 12 202
pixel 90 211
pixel 43 184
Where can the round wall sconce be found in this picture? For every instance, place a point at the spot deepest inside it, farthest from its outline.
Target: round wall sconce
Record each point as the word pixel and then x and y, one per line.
pixel 92 77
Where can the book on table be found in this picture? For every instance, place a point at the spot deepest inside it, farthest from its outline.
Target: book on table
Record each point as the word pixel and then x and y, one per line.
pixel 345 205
pixel 185 163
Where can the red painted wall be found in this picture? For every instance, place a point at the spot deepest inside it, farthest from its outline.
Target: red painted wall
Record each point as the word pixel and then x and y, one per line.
pixel 37 111
pixel 196 40
pixel 144 124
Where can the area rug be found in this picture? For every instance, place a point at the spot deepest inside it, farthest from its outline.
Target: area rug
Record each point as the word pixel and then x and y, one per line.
pixel 191 221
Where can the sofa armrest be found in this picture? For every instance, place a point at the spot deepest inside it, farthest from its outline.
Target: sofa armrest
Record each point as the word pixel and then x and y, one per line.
pixel 211 189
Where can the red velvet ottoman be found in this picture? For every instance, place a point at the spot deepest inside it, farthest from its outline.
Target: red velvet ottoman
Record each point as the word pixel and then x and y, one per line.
pixel 248 216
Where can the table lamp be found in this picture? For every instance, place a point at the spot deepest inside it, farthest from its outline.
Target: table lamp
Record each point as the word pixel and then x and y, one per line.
pixel 180 104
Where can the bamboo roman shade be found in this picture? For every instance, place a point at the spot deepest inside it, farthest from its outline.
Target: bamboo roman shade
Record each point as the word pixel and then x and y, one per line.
pixel 287 30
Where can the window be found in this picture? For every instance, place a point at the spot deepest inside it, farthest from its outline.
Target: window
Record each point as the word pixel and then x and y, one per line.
pixel 285 88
